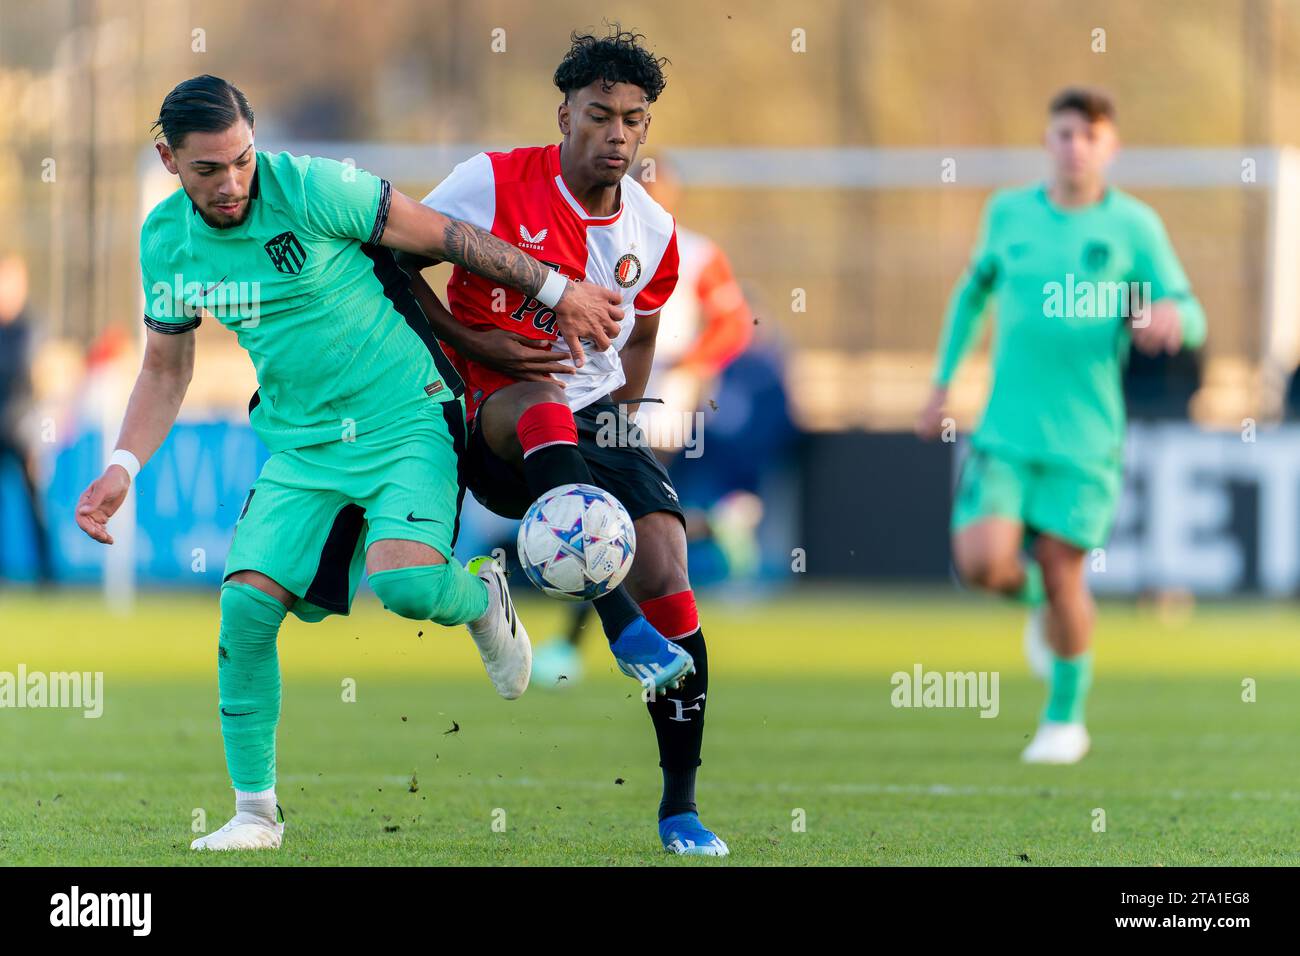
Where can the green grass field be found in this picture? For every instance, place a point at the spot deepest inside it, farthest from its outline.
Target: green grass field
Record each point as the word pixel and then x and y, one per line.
pixel 799 719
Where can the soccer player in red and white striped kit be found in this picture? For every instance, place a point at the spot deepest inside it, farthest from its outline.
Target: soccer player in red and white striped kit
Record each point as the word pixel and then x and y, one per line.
pixel 541 406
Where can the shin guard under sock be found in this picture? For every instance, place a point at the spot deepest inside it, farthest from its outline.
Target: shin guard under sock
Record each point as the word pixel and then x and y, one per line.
pixel 1071 678
pixel 678 715
pixel 549 437
pixel 248 677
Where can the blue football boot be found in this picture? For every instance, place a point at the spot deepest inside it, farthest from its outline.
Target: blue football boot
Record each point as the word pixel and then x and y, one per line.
pixel 685 835
pixel 645 655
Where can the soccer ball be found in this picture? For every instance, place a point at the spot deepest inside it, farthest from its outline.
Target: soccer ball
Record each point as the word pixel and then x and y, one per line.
pixel 576 543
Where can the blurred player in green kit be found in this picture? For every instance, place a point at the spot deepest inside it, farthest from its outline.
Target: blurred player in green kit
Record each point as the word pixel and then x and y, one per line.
pixel 1079 271
pixel 361 410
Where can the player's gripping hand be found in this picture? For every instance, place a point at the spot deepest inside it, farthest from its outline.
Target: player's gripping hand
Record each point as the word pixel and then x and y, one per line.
pixel 100 502
pixel 929 424
pixel 522 358
pixel 1161 332
pixel 588 311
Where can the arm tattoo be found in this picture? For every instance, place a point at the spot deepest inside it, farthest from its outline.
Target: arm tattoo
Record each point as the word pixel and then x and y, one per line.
pixel 484 254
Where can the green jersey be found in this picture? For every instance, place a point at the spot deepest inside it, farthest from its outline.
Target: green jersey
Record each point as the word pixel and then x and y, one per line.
pixel 339 343
pixel 1067 283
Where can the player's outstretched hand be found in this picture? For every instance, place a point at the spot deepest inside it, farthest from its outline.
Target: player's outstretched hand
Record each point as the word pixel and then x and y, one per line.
pixel 929 424
pixel 588 311
pixel 522 358
pixel 1160 330
pixel 100 502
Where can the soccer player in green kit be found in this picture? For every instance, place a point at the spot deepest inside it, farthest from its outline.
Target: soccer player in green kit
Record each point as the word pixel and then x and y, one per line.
pixel 358 405
pixel 1078 270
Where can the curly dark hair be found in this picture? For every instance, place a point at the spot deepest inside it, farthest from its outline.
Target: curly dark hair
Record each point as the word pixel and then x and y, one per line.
pixel 616 58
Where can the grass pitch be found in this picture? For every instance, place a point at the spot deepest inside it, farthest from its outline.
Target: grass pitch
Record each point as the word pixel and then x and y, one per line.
pixel 428 766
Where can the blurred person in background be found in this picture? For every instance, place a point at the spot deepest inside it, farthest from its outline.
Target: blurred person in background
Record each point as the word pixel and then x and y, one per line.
pixel 738 497
pixel 703 327
pixel 18 439
pixel 1045 469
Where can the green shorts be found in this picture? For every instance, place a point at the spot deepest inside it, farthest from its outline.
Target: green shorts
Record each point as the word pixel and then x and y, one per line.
pixel 313 512
pixel 1074 504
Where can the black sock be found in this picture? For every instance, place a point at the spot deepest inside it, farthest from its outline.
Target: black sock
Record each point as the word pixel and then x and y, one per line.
pixel 617 610
pixel 678 718
pixel 679 792
pixel 555 465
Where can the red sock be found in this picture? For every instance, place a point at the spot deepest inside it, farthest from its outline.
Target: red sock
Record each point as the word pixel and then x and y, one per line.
pixel 544 425
pixel 674 615
pixel 549 438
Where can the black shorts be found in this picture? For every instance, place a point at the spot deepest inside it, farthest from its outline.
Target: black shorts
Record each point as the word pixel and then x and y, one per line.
pixel 628 470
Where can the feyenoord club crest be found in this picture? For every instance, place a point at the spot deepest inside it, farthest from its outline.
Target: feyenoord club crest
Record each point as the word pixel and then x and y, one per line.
pixel 628 271
pixel 286 253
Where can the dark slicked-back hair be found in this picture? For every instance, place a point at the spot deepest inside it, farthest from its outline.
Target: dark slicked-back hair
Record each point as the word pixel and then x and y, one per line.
pixel 202 104
pixel 1092 103
pixel 616 58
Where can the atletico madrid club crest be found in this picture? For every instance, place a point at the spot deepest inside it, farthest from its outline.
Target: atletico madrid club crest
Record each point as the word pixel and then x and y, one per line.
pixel 628 271
pixel 1096 255
pixel 286 253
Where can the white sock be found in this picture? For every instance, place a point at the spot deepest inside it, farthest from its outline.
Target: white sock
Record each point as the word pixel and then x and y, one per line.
pixel 260 804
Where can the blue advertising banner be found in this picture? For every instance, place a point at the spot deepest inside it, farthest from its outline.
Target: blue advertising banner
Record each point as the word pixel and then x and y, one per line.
pixel 187 501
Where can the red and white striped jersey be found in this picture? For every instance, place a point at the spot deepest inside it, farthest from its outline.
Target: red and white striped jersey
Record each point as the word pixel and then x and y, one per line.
pixel 521 198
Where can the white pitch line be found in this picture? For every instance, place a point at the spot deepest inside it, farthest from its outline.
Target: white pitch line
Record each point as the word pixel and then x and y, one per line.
pixel 432 782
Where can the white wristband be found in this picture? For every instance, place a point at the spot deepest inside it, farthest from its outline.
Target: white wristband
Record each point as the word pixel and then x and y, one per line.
pixel 127 460
pixel 551 290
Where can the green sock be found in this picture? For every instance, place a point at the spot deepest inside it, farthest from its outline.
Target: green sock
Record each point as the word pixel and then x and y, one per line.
pixel 1071 678
pixel 1032 593
pixel 248 676
pixel 443 593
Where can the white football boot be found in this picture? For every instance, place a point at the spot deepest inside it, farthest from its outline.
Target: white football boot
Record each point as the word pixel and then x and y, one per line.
pixel 245 831
pixel 1057 743
pixel 1037 651
pixel 499 634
